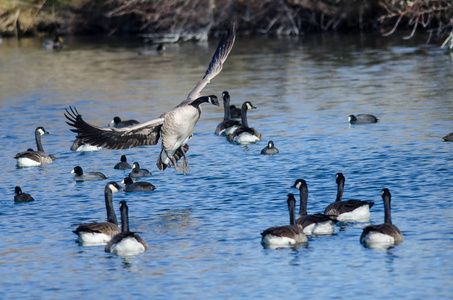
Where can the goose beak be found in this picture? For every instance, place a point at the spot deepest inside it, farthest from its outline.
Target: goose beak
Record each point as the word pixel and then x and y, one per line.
pixel 214 100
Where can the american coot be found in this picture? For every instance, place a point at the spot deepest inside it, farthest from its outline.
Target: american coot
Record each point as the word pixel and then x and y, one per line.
pixel 137 172
pixel 383 235
pixel 139 186
pixel 270 149
pixel 176 126
pixel 126 242
pixel 316 224
pixel 288 235
pixel 348 211
pixel 245 134
pixel 362 119
pixel 80 176
pixel 20 197
pixel 123 164
pixel 89 234
pixel 34 158
pixel 118 123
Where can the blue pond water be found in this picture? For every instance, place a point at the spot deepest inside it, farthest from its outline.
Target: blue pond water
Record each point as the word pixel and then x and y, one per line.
pixel 204 228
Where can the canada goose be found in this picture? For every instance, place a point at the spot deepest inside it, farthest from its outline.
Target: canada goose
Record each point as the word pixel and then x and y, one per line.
pixel 137 172
pixel 245 134
pixel 383 235
pixel 100 233
pixel 118 123
pixel 21 197
pixel 176 126
pixel 448 137
pixel 288 235
pixel 139 186
pixel 123 164
pixel 227 123
pixel 55 44
pixel 315 224
pixel 34 158
pixel 269 149
pixel 362 119
pixel 126 242
pixel 348 211
pixel 80 146
pixel 80 176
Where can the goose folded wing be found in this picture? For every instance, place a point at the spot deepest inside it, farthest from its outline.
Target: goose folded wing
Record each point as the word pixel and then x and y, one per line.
pixel 288 231
pixel 218 59
pixel 143 134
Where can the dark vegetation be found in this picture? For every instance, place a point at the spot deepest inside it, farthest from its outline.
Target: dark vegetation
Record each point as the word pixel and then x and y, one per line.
pixel 197 19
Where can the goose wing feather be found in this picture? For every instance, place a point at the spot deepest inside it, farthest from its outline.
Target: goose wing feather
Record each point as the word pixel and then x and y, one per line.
pixel 223 50
pixel 147 133
pixel 288 231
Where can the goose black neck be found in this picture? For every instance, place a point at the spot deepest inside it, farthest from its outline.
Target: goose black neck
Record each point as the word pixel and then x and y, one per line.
pixel 244 115
pixel 111 216
pixel 292 209
pixel 226 107
pixel 387 210
pixel 38 141
pixel 124 217
pixel 340 187
pixel 198 101
pixel 303 199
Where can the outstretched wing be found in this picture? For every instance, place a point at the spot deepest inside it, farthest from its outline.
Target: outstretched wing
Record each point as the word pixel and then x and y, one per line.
pixel 223 49
pixel 143 134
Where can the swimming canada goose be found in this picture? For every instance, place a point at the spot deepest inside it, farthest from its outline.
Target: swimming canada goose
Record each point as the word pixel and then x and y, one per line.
pixel 55 44
pixel 269 149
pixel 348 211
pixel 362 119
pixel 80 176
pixel 139 186
pixel 118 123
pixel 20 197
pixel 288 235
pixel 123 164
pixel 245 134
pixel 227 123
pixel 383 235
pixel 137 172
pixel 448 137
pixel 176 126
pixel 81 146
pixel 100 233
pixel 316 224
pixel 126 242
pixel 34 158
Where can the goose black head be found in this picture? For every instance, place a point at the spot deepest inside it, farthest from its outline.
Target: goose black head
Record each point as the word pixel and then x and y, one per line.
pixel 299 183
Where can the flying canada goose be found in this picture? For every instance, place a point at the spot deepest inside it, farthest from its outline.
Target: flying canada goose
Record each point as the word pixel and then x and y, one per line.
pixel 35 158
pixel 362 119
pixel 245 134
pixel 348 211
pixel 55 44
pixel 126 242
pixel 448 137
pixel 383 235
pixel 316 224
pixel 137 172
pixel 20 197
pixel 81 146
pixel 288 235
pixel 176 126
pixel 80 176
pixel 123 164
pixel 269 149
pixel 139 186
pixel 118 123
pixel 90 234
pixel 227 123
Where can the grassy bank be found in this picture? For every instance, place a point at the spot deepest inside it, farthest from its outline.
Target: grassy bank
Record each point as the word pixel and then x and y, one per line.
pixel 197 19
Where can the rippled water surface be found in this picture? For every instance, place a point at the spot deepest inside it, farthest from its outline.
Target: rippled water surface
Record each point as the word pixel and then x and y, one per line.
pixel 204 228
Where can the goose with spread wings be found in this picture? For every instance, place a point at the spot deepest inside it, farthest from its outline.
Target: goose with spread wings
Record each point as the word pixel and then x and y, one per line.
pixel 175 126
